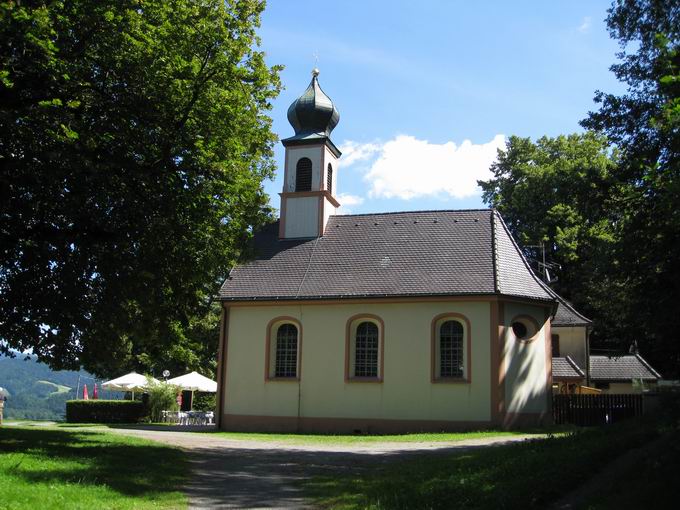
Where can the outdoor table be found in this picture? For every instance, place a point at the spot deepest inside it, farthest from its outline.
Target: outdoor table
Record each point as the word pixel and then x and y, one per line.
pixel 189 417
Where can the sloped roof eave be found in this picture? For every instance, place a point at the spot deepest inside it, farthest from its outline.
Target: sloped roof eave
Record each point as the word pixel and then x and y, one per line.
pixel 490 295
pixel 508 244
pixel 621 368
pixel 580 319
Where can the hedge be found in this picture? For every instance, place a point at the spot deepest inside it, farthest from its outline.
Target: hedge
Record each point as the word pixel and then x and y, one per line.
pixel 105 411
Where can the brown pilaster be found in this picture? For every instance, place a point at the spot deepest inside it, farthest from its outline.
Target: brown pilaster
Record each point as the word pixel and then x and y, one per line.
pixel 222 365
pixel 497 334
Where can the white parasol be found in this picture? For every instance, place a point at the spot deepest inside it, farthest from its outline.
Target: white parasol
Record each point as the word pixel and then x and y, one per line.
pixel 193 381
pixel 129 382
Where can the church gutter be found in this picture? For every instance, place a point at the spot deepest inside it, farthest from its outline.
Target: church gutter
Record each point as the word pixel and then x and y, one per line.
pixel 385 298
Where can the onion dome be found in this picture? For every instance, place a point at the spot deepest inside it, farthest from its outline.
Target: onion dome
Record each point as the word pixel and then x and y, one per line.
pixel 313 114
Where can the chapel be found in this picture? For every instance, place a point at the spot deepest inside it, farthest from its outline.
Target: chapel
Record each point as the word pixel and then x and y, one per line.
pixel 371 323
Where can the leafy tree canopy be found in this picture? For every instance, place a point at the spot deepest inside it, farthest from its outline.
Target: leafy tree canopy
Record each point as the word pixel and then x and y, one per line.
pixel 644 123
pixel 559 195
pixel 134 139
pixel 605 203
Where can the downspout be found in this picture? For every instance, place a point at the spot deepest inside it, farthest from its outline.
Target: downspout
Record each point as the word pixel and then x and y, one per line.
pixel 297 423
pixel 588 328
pixel 299 381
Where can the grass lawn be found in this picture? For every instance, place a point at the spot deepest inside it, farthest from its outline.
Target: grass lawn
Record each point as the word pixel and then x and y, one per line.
pixel 48 468
pixel 359 439
pixel 653 482
pixel 520 476
pixel 299 438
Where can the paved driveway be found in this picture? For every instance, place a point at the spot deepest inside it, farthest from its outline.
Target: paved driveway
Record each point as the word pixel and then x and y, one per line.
pixel 228 473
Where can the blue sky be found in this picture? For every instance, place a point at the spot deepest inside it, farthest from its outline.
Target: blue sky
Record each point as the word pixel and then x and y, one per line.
pixel 428 90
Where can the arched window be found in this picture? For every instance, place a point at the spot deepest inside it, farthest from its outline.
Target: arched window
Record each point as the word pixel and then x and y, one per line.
pixel 286 354
pixel 329 179
pixel 451 355
pixel 366 350
pixel 303 175
pixel 451 349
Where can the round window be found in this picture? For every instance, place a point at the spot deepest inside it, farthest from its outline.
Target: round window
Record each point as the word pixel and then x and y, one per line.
pixel 519 329
pixel 524 328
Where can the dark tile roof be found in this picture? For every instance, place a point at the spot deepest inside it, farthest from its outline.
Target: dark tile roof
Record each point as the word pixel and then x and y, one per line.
pixel 514 276
pixel 423 253
pixel 566 368
pixel 621 368
pixel 566 315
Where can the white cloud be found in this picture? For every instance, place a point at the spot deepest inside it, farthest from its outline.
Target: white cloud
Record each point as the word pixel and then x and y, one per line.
pixel 346 200
pixel 354 151
pixel 409 168
pixel 585 25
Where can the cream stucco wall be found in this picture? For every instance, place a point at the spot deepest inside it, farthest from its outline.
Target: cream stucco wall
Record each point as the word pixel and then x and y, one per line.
pixel 406 393
pixel 329 157
pixel 320 156
pixel 294 154
pixel 328 210
pixel 573 343
pixel 525 362
pixel 302 217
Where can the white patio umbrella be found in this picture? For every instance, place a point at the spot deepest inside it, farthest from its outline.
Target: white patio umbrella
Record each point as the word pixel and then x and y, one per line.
pixel 193 381
pixel 129 382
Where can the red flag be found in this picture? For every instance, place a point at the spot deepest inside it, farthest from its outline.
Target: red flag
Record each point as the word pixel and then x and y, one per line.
pixel 95 394
pixel 85 395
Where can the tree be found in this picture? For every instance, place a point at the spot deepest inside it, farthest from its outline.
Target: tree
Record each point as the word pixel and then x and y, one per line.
pixel 644 123
pixel 133 144
pixel 560 194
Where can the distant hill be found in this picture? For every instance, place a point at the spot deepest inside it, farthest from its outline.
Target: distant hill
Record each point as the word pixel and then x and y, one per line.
pixel 37 392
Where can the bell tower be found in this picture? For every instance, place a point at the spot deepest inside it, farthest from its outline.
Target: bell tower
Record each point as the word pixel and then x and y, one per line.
pixel 311 165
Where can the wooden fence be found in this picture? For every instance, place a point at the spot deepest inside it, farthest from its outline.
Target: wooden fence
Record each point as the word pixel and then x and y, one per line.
pixel 585 410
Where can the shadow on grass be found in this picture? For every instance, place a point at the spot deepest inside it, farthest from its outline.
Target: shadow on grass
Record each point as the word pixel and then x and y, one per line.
pixel 275 478
pixel 127 466
pixel 529 475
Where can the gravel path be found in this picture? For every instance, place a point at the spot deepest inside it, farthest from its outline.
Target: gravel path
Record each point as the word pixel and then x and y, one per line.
pixel 234 473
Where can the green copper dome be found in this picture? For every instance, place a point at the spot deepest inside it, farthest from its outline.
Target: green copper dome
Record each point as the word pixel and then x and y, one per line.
pixel 313 113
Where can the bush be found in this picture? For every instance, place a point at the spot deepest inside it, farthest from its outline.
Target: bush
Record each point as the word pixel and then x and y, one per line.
pixel 105 411
pixel 204 401
pixel 161 397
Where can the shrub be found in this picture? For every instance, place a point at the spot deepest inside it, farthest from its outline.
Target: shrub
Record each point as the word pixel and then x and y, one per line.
pixel 104 411
pixel 204 401
pixel 161 397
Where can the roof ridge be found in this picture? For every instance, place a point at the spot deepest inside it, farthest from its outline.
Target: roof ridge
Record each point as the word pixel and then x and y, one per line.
pixel 574 365
pixel 309 264
pixel 569 305
pixel 647 365
pixel 522 257
pixel 410 212
pixel 494 254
